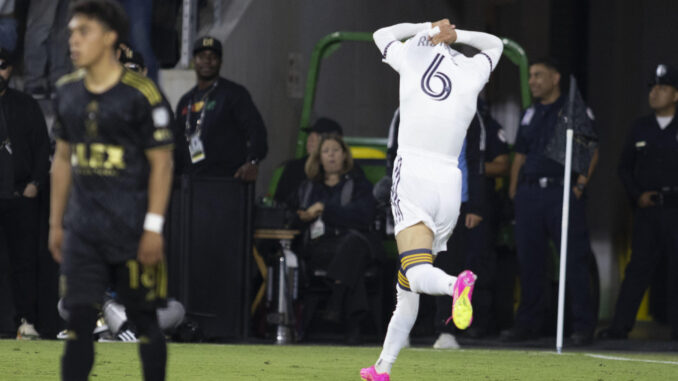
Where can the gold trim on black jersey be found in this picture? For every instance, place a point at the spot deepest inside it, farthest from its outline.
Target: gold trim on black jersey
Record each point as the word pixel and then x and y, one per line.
pixel 71 77
pixel 143 84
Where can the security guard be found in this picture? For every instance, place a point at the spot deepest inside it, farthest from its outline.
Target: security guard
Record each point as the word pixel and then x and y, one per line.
pixel 649 172
pixel 537 191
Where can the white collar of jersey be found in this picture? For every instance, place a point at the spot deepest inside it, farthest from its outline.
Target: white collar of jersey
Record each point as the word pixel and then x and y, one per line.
pixel 453 53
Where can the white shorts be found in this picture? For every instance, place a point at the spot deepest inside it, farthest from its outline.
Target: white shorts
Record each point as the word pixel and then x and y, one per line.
pixel 426 188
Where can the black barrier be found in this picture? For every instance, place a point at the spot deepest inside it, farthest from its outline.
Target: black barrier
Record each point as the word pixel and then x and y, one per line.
pixel 209 241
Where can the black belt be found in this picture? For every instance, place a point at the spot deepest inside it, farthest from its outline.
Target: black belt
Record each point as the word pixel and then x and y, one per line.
pixel 543 182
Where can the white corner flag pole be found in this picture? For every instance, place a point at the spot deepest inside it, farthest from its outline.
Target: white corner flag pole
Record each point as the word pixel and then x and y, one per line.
pixel 563 239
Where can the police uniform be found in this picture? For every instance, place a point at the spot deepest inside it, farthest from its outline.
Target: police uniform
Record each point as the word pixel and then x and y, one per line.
pixel 538 208
pixel 109 134
pixel 649 162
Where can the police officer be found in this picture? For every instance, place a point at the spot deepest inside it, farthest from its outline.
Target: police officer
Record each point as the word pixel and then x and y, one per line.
pixel 537 189
pixel 219 131
pixel 24 164
pixel 649 171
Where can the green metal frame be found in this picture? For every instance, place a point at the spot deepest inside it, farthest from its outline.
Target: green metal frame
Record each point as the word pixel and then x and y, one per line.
pixel 328 44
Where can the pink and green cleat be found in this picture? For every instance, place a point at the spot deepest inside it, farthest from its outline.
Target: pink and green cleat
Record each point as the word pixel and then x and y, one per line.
pixel 370 374
pixel 462 310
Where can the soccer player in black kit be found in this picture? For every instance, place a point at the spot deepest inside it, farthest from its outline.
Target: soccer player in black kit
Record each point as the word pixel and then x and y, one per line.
pixel 111 180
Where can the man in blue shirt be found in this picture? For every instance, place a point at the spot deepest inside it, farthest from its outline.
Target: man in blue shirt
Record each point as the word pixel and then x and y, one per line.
pixel 537 190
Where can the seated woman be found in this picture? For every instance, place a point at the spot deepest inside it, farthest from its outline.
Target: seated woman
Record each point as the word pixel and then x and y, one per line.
pixel 336 208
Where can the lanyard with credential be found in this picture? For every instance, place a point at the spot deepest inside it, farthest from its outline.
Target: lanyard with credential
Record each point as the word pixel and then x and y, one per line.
pixel 201 119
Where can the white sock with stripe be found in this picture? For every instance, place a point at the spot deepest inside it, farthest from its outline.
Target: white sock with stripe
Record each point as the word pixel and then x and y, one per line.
pixel 426 279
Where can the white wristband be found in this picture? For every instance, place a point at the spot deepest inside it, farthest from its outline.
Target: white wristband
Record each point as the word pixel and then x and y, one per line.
pixel 154 223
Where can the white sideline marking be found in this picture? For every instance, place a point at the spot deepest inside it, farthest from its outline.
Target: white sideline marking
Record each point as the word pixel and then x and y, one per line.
pixel 629 359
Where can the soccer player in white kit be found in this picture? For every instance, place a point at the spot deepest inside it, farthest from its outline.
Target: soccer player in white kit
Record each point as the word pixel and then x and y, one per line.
pixel 438 93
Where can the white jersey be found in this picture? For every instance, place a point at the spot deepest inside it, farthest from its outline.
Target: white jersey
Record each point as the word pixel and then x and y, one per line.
pixel 438 86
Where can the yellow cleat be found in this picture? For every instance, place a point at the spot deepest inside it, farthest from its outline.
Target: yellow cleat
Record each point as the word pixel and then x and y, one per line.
pixel 462 309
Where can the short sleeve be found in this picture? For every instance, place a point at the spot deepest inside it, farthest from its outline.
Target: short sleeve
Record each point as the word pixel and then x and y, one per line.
pixel 156 126
pixel 521 145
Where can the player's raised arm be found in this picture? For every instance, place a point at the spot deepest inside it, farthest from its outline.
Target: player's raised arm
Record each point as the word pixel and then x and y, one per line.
pixel 398 32
pixel 489 45
pixel 61 185
pixel 388 40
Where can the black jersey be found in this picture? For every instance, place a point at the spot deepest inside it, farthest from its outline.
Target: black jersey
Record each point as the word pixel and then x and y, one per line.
pixel 108 134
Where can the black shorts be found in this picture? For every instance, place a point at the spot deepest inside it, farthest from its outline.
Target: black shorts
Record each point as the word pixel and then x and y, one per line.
pixel 86 275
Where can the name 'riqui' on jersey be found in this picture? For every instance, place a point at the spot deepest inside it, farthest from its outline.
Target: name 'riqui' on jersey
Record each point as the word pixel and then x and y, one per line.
pixel 108 134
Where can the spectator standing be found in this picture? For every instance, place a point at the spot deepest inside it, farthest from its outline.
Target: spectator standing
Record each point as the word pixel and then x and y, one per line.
pixel 140 14
pixel 8 25
pixel 537 190
pixel 649 171
pixel 219 131
pixel 45 46
pixel 24 163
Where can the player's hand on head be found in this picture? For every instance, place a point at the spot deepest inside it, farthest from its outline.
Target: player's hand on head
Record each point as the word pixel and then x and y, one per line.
pixel 447 35
pixel 150 248
pixel 56 236
pixel 440 23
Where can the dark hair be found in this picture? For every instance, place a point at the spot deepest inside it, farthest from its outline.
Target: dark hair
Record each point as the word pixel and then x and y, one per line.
pixel 108 12
pixel 550 63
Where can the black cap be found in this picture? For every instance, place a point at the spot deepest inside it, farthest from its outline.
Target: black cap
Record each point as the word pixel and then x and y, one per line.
pixel 128 55
pixel 665 75
pixel 326 126
pixel 5 55
pixel 207 43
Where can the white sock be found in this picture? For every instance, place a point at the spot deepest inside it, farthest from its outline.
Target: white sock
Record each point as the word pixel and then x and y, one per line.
pixel 402 321
pixel 383 366
pixel 426 279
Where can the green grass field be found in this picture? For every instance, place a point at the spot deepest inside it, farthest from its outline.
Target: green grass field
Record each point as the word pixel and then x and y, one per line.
pixel 39 360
